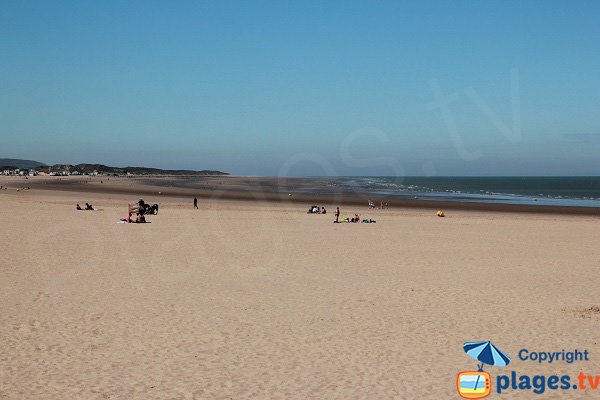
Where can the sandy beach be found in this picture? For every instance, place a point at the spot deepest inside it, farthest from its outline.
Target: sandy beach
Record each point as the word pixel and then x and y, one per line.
pixel 259 300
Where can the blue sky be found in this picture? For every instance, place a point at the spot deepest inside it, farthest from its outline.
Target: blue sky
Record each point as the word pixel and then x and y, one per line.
pixel 305 88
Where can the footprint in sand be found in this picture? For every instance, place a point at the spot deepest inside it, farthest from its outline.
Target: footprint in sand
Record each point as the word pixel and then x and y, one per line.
pixel 590 312
pixel 253 271
pixel 41 296
pixel 34 325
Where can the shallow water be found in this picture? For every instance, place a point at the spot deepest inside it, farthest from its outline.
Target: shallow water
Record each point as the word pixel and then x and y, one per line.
pixel 556 191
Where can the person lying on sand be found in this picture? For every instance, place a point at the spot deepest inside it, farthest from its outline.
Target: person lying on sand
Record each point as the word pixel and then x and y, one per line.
pixel 140 219
pixel 127 219
pixel 355 219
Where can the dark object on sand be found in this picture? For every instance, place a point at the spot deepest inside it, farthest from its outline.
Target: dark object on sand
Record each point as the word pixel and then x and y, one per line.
pixel 314 210
pixel 143 208
pixel 148 209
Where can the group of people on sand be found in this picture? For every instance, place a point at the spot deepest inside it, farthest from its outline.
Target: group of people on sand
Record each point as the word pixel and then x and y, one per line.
pixel 2 187
pixel 139 219
pixel 317 210
pixel 354 219
pixel 88 207
pixel 381 207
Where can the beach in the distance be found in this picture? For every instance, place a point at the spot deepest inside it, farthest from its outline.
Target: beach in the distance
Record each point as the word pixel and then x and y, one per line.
pixel 561 195
pixel 253 298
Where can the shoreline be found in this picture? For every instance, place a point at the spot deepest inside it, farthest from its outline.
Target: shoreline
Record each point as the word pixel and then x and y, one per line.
pixel 261 189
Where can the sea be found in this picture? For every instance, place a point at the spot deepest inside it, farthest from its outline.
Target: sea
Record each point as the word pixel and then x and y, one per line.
pixel 582 191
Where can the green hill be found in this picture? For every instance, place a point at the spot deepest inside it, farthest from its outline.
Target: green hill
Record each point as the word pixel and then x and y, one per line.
pixel 104 169
pixel 10 163
pixel 17 163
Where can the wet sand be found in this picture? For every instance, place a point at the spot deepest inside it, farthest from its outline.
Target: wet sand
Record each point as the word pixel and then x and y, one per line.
pixel 292 191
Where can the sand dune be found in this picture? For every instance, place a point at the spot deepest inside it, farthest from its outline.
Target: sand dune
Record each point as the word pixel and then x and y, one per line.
pixel 260 300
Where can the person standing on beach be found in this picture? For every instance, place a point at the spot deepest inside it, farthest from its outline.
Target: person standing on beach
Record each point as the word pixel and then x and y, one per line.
pixel 337 214
pixel 195 203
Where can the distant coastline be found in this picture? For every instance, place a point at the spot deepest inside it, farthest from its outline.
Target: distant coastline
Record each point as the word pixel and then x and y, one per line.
pixel 10 166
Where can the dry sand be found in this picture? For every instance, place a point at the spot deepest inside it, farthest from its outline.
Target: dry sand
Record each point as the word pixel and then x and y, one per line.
pixel 256 300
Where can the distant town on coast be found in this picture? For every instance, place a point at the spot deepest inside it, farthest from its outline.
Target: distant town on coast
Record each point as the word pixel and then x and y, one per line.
pixel 17 167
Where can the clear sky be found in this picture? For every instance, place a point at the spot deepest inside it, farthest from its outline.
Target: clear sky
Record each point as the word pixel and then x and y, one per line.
pixel 304 88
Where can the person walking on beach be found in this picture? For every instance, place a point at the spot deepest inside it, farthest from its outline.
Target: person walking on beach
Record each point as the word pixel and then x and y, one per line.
pixel 195 203
pixel 337 214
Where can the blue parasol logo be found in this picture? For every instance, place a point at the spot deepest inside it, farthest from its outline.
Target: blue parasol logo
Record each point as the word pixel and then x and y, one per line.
pixel 486 353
